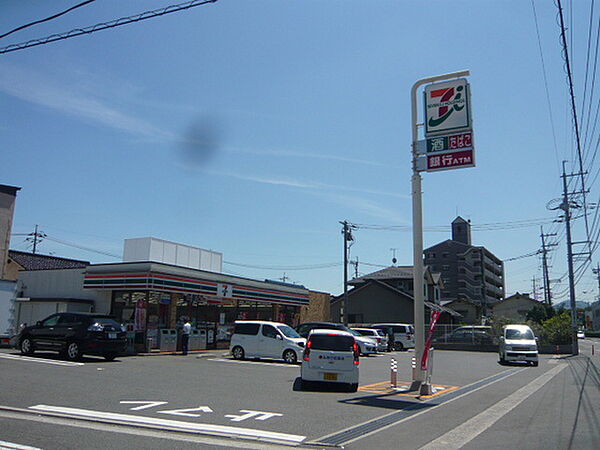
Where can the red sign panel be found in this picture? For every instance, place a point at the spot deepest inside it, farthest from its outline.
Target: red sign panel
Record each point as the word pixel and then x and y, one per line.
pixel 450 160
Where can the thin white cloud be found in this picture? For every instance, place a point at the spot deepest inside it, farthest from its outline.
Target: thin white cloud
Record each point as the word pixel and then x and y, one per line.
pixel 297 154
pixel 312 185
pixel 38 90
pixel 364 206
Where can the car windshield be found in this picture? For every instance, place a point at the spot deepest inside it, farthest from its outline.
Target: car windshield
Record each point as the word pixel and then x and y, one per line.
pixel 354 332
pixel 288 331
pixel 513 333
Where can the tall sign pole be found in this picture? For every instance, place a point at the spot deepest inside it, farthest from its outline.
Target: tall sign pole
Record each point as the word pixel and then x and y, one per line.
pixel 439 150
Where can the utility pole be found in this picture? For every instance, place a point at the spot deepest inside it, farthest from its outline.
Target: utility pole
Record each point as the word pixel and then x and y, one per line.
pixel 545 247
pixel 565 206
pixel 35 237
pixel 534 288
pixel 346 227
pixel 284 278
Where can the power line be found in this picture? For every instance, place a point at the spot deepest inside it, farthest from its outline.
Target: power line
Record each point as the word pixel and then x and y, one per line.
pixel 105 25
pixel 574 113
pixel 537 29
pixel 82 247
pixel 306 267
pixel 27 25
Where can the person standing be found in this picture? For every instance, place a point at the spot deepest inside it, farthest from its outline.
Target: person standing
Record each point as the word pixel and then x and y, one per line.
pixel 185 336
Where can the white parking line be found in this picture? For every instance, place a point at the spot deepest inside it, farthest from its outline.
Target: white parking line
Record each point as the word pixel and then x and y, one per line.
pixel 466 432
pixel 11 445
pixel 237 361
pixel 41 360
pixel 127 419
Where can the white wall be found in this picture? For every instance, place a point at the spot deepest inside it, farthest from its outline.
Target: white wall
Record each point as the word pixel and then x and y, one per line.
pixel 59 283
pixel 158 250
pixel 7 310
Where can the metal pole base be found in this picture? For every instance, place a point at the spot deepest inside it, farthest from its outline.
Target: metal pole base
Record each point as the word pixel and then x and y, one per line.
pixel 415 385
pixel 426 389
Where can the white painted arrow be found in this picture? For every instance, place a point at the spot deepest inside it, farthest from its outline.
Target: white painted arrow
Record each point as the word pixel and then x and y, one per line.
pixel 187 412
pixel 145 404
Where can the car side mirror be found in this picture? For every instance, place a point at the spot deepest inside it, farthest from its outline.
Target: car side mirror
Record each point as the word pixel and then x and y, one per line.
pixel 278 336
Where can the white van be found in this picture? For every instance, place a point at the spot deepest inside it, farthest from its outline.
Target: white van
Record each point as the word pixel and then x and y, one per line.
pixel 518 343
pixel 401 335
pixel 262 339
pixel 331 356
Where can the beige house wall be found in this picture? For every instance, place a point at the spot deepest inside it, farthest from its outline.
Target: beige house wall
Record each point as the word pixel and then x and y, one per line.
pixel 7 209
pixel 318 309
pixel 515 308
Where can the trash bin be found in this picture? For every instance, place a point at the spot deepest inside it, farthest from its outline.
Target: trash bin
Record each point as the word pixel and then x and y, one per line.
pixel 168 340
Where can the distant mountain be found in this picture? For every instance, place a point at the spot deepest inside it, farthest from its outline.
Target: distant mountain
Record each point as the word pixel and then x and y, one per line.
pixel 567 305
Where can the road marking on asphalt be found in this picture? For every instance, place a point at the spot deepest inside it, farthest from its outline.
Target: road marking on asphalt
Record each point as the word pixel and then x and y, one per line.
pixel 403 389
pixel 187 412
pixel 144 404
pixel 249 414
pixel 190 427
pixel 11 445
pixel 237 361
pixel 41 360
pixel 378 424
pixel 465 433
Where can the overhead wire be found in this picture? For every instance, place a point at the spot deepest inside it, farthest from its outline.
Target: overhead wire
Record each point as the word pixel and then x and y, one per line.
pixel 106 25
pixel 54 16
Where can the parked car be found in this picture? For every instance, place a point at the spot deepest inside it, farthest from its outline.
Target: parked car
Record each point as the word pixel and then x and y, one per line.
pixel 366 345
pixel 73 335
pixel 331 356
pixel 263 339
pixel 580 334
pixel 518 343
pixel 377 335
pixel 401 335
pixel 469 335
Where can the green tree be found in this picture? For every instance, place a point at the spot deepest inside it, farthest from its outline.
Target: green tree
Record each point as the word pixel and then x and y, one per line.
pixel 540 313
pixel 557 330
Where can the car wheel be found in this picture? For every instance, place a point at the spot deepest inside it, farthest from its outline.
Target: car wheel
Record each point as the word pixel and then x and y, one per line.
pixel 237 352
pixel 399 346
pixel 534 363
pixel 353 387
pixel 290 357
pixel 502 359
pixel 27 346
pixel 73 352
pixel 110 356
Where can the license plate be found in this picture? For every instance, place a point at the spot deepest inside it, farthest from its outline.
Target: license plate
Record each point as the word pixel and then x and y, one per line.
pixel 112 335
pixel 330 376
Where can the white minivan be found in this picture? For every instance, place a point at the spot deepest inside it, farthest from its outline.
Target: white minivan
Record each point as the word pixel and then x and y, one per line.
pixel 518 343
pixel 331 356
pixel 262 339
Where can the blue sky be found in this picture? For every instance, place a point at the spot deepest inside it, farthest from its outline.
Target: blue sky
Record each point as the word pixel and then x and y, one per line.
pixel 254 127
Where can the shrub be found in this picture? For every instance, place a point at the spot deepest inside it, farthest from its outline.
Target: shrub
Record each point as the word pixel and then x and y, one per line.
pixel 557 330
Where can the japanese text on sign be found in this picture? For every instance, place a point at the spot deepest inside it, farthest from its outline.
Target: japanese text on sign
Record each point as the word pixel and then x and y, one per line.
pixel 450 160
pixel 453 142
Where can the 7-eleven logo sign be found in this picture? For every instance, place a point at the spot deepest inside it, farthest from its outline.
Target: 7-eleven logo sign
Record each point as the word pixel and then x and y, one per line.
pixel 446 107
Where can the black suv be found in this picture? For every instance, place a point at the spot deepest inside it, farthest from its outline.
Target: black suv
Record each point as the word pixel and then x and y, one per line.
pixel 74 334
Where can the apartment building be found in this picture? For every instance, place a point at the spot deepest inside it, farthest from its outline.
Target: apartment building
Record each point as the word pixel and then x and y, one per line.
pixel 469 273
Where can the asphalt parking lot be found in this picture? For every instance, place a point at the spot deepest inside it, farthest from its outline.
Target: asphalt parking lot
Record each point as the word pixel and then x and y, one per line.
pixel 260 400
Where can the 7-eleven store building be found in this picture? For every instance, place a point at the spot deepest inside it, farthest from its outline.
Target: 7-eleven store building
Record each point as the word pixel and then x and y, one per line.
pixel 150 296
